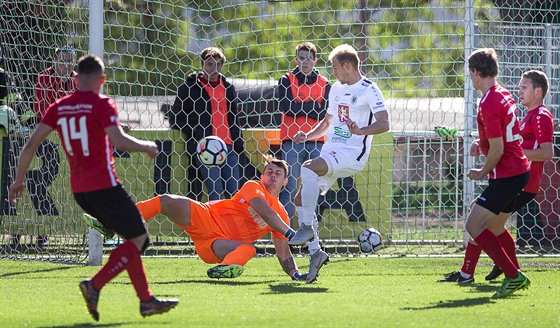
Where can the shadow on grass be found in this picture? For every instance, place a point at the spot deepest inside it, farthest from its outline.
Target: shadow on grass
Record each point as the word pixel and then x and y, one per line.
pixel 288 288
pixel 87 325
pixel 453 304
pixel 19 273
pixel 224 282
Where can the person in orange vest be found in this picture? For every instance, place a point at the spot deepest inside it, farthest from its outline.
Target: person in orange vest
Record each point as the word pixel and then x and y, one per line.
pixel 206 104
pixel 303 97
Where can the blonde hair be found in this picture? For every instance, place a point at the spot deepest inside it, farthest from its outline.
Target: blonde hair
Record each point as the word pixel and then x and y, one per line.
pixel 345 53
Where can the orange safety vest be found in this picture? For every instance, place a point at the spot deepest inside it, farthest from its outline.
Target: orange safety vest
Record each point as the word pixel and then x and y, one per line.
pixel 218 101
pixel 302 93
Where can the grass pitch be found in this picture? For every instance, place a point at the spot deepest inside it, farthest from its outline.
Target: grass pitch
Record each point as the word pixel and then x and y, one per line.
pixel 351 292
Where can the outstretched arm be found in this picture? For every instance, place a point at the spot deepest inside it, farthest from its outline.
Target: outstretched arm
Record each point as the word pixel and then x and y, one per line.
pixel 125 142
pixel 286 259
pixel 269 216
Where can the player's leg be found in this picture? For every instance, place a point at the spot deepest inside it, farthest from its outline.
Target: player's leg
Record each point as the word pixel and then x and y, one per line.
pixel 504 236
pixel 493 200
pixel 234 255
pixel 291 153
pixel 307 197
pixel 175 207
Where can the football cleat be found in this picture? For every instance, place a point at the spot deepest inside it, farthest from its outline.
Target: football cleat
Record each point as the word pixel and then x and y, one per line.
pixel 455 276
pixel 91 296
pixel 94 224
pixel 316 261
pixel 225 271
pixel 495 273
pixel 511 285
pixel 303 234
pixel 157 306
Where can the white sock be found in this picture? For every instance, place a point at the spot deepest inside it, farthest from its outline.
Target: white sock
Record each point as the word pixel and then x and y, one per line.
pixel 309 195
pixel 299 211
pixel 313 245
pixel 464 275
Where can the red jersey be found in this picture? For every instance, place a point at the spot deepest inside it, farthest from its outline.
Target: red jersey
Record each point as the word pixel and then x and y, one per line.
pixel 536 128
pixel 80 120
pixel 497 117
pixel 238 219
pixel 49 88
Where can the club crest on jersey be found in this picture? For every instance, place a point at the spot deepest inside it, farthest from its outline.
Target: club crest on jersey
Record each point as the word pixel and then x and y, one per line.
pixel 343 113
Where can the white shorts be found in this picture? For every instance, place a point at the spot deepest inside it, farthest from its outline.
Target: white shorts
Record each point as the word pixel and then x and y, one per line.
pixel 341 163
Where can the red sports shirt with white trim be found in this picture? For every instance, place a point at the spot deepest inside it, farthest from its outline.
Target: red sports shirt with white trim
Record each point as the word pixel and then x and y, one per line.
pixel 497 117
pixel 80 120
pixel 536 128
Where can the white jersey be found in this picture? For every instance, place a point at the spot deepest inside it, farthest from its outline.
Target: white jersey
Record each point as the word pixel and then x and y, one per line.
pixel 359 102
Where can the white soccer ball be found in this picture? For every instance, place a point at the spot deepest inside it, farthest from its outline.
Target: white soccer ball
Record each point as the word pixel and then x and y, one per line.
pixel 211 151
pixel 370 240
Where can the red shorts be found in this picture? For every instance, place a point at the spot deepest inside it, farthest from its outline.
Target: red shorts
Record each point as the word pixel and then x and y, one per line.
pixel 204 231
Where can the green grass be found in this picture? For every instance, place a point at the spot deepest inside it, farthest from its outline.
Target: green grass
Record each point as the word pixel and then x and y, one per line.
pixel 351 292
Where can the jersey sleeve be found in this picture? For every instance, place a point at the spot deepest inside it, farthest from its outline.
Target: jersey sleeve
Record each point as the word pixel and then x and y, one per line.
pixel 107 113
pixel 543 128
pixel 492 121
pixel 376 100
pixel 49 118
pixel 251 189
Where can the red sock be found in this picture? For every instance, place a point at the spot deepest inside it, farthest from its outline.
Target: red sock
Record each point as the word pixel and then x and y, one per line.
pixel 241 255
pixel 149 208
pixel 472 254
pixel 118 260
pixel 138 278
pixel 491 245
pixel 506 239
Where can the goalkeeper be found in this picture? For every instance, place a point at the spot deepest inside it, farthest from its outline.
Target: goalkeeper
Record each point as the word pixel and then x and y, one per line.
pixel 223 230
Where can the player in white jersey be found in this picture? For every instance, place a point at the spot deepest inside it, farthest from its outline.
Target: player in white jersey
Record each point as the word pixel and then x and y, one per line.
pixel 356 112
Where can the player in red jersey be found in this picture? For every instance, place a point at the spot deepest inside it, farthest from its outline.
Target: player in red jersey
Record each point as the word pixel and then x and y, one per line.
pixel 536 129
pixel 88 127
pixel 223 230
pixel 506 166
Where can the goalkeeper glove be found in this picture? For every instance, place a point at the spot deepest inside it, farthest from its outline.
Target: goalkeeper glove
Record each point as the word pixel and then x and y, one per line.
pixel 299 277
pixel 290 233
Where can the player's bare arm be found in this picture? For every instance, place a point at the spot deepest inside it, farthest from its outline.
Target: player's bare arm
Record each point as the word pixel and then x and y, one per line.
pixel 494 154
pixel 25 158
pixel 380 125
pixel 269 215
pixel 125 142
pixel 475 148
pixel 285 256
pixel 543 153
pixel 318 131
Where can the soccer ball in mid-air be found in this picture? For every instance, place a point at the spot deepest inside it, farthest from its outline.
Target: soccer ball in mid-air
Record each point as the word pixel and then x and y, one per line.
pixel 211 151
pixel 370 240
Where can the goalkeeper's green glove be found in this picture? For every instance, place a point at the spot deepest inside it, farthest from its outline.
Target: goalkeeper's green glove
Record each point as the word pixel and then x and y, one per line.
pixel 299 277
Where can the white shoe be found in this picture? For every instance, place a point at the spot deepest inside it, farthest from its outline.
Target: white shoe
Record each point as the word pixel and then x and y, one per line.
pixel 303 234
pixel 315 263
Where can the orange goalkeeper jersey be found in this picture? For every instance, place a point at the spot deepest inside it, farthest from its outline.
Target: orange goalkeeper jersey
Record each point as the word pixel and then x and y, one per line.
pixel 237 218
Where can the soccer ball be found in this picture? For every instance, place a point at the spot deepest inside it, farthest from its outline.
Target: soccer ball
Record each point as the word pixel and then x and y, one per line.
pixel 211 151
pixel 370 240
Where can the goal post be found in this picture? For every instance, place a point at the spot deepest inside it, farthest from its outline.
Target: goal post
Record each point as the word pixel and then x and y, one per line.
pixel 414 189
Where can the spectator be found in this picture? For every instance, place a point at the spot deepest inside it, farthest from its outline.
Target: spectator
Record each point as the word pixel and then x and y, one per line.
pixel 206 104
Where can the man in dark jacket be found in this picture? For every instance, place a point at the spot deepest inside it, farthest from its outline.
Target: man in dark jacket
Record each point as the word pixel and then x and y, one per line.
pixel 206 104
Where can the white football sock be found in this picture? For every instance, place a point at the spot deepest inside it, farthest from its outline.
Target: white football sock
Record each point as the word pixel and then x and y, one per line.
pixel 309 195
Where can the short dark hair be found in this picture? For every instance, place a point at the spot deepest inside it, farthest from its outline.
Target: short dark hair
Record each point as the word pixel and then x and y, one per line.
pixel 307 46
pixel 485 62
pixel 90 65
pixel 212 52
pixel 538 80
pixel 269 159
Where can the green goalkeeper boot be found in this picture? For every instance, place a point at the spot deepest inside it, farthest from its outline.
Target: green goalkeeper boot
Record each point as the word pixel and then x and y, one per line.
pixel 511 285
pixel 225 271
pixel 94 224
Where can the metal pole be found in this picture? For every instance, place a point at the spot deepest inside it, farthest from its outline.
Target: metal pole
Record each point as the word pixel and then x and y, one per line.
pixel 470 103
pixel 95 241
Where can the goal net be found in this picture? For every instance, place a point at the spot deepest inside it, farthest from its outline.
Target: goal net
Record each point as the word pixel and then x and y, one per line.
pixel 413 190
